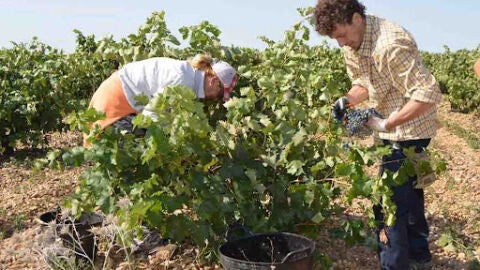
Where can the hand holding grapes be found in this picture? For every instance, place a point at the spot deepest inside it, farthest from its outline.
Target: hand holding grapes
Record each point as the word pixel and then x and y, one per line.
pixel 376 123
pixel 340 108
pixel 355 119
pixel 379 124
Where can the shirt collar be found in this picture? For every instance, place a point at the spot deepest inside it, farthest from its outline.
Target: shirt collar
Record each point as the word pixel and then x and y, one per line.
pixel 366 48
pixel 198 83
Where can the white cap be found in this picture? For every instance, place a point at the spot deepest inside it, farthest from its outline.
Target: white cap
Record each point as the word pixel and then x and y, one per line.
pixel 227 75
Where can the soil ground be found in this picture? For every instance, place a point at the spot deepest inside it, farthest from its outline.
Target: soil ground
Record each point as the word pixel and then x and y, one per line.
pixel 452 203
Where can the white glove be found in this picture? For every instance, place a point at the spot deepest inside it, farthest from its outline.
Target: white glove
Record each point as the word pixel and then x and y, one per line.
pixel 377 124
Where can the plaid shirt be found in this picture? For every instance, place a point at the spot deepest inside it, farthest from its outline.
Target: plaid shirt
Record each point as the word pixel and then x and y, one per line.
pixel 389 65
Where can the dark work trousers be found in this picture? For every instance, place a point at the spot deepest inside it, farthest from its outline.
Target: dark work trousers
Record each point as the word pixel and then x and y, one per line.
pixel 407 239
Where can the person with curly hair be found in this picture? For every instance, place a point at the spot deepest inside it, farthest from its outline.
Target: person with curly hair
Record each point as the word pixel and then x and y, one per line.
pixel 385 66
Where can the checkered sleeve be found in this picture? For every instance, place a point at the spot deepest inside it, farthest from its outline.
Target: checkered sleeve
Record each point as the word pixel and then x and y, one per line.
pixel 402 62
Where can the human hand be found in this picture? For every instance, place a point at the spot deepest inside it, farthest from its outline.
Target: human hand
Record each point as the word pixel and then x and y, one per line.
pixel 340 108
pixel 376 123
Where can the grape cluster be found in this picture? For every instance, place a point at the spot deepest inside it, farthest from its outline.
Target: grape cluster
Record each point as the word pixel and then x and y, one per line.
pixel 355 119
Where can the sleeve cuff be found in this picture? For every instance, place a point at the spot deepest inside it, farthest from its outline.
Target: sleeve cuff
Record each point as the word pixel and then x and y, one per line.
pixel 427 96
pixel 359 82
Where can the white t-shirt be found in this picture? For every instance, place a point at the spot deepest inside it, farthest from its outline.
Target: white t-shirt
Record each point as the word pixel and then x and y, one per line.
pixel 150 77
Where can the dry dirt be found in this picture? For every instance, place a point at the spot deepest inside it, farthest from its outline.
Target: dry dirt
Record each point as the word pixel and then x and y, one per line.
pixel 453 208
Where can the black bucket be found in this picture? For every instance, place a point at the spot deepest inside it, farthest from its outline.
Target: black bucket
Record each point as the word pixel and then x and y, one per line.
pixel 83 244
pixel 279 251
pixel 75 233
pixel 79 236
pixel 48 217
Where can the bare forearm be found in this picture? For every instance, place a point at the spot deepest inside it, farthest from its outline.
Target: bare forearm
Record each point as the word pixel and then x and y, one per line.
pixel 409 111
pixel 357 94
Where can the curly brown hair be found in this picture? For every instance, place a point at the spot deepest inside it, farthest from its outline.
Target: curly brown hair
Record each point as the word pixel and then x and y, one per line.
pixel 328 13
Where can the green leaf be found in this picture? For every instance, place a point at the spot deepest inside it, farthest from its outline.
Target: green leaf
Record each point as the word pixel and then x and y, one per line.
pixel 142 100
pixel 445 239
pixel 330 161
pixel 318 218
pixel 344 169
pixel 173 39
pixel 265 83
pixel 299 137
pixel 295 167
pixel 251 174
pixel 390 219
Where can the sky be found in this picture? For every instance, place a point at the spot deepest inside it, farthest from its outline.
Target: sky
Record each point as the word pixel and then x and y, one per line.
pixel 434 23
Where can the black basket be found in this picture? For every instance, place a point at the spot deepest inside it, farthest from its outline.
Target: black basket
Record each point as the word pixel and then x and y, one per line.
pixel 280 251
pixel 84 244
pixel 75 233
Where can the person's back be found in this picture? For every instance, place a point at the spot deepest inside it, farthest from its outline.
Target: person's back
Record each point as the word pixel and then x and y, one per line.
pixel 116 97
pixel 149 77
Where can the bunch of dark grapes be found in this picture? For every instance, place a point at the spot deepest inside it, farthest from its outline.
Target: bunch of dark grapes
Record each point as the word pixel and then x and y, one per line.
pixel 355 119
